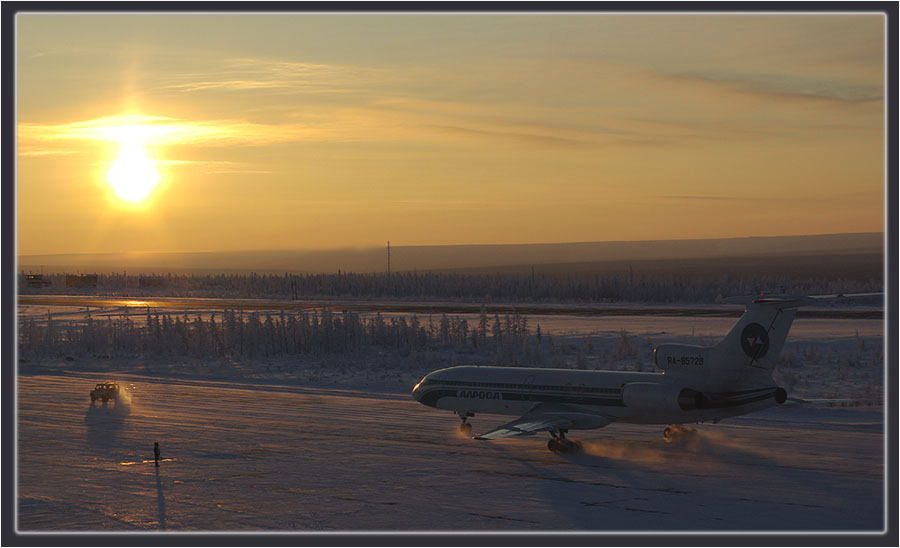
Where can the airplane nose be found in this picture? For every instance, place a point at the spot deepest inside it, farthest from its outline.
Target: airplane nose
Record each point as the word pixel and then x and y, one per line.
pixel 417 389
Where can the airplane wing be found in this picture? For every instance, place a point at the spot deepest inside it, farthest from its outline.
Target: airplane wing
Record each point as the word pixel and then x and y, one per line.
pixel 545 417
pixel 525 426
pixel 796 402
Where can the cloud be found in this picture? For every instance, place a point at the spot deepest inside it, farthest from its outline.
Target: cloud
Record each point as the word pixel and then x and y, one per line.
pixel 703 197
pixel 217 167
pixel 438 205
pixel 781 87
pixel 535 126
pixel 527 138
pixel 164 131
pixel 362 124
pixel 390 115
pixel 47 152
pixel 256 74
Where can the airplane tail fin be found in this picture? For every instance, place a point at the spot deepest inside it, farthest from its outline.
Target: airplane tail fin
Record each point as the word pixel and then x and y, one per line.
pixel 751 348
pixel 758 337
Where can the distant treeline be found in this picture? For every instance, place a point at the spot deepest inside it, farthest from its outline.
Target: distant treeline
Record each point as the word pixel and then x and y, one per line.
pixel 236 335
pixel 657 286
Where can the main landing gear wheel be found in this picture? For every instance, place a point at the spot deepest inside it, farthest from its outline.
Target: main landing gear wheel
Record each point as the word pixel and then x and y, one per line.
pixel 560 444
pixel 564 446
pixel 465 427
pixel 675 433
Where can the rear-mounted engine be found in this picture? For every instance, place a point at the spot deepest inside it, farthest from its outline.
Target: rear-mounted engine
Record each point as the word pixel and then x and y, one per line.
pixel 662 397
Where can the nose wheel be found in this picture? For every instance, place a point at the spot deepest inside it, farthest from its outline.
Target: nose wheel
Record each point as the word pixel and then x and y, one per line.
pixel 465 427
pixel 560 444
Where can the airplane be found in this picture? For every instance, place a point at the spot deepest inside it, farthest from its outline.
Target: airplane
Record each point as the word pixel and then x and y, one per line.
pixel 696 383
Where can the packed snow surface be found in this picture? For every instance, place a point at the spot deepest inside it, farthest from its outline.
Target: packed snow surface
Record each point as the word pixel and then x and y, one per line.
pixel 259 458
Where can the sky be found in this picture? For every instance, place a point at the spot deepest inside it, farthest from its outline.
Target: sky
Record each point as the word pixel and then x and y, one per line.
pixel 222 132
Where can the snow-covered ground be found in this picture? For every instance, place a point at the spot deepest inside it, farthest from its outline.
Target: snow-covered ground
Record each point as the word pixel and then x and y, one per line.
pixel 254 457
pixel 335 443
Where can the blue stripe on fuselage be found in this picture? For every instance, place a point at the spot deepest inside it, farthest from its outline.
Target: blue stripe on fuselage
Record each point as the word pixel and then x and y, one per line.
pixel 431 397
pixel 715 400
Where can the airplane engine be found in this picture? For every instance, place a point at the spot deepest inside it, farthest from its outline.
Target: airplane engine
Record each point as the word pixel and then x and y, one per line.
pixel 662 397
pixel 780 395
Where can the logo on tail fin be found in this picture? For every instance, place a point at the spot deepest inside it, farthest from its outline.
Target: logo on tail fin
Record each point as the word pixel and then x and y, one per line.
pixel 755 341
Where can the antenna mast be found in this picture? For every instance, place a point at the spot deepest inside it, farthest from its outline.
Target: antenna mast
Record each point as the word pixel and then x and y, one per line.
pixel 389 257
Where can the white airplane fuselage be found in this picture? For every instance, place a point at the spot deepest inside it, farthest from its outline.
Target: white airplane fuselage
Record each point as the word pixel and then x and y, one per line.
pixel 631 397
pixel 694 384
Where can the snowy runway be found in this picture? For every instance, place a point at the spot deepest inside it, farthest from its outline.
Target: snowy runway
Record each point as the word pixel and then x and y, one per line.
pixel 245 457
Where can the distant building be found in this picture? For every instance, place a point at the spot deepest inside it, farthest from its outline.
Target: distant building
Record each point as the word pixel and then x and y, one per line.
pixel 152 281
pixel 81 281
pixel 36 280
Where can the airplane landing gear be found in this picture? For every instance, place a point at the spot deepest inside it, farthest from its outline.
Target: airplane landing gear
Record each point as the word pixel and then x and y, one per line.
pixel 560 444
pixel 676 433
pixel 465 427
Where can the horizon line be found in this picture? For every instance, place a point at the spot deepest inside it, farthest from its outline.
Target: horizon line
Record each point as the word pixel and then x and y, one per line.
pixel 401 246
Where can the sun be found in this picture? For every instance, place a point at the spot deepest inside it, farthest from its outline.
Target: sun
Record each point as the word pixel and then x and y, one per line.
pixel 133 175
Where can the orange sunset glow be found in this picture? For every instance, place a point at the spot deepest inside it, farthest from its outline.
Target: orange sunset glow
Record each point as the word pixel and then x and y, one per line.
pixel 219 132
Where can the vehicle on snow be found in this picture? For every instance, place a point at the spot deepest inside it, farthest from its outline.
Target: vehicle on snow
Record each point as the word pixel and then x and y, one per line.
pixel 105 391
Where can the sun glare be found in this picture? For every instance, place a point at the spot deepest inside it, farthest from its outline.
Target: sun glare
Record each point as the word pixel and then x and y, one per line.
pixel 133 175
